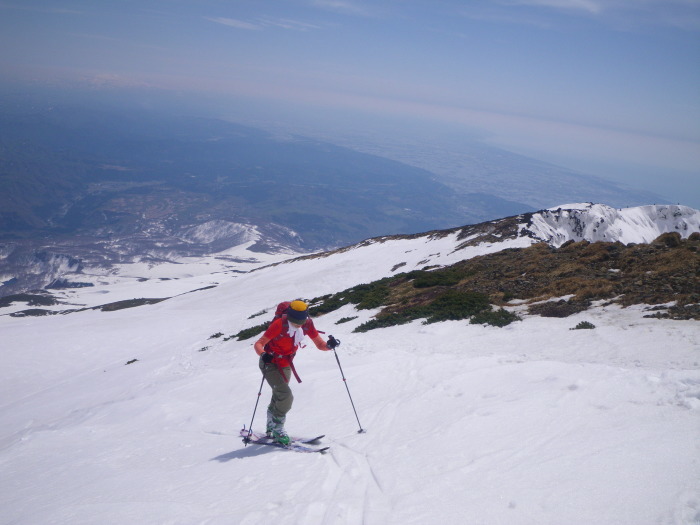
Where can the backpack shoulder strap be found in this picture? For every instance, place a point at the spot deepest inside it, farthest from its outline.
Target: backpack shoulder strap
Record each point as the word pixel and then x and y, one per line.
pixel 290 357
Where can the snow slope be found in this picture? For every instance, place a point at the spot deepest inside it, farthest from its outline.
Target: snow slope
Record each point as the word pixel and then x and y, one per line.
pixel 533 423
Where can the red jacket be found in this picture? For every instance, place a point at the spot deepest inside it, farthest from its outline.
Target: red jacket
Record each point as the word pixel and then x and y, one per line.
pixel 284 345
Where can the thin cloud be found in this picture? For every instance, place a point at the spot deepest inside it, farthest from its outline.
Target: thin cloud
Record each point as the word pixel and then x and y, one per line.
pixel 286 23
pixel 103 80
pixel 620 14
pixel 680 14
pixel 263 23
pixel 506 17
pixel 121 41
pixel 50 10
pixel 687 23
pixel 588 6
pixel 232 22
pixel 343 6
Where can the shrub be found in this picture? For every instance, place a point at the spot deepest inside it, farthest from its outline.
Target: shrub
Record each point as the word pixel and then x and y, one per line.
pixel 508 296
pixel 365 296
pixel 454 305
pixel 384 321
pixel 32 312
pixel 371 295
pixel 498 317
pixel 435 278
pixel 247 333
pixel 670 239
pixel 327 303
pixel 368 296
pixel 345 320
pixel 584 325
pixel 451 305
pixel 129 303
pixel 30 299
pixel 559 308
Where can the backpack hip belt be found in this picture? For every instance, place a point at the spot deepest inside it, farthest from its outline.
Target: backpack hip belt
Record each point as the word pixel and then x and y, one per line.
pixel 289 357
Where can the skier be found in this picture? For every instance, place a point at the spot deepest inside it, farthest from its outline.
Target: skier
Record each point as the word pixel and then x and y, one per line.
pixel 277 348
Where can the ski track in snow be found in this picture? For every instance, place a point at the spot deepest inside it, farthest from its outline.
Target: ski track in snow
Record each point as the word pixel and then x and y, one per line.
pixel 533 423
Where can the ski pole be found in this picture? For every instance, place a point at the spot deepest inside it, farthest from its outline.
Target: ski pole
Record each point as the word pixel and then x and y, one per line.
pixel 333 344
pixel 246 439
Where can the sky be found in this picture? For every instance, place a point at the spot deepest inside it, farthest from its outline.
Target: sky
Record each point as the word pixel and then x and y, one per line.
pixel 609 87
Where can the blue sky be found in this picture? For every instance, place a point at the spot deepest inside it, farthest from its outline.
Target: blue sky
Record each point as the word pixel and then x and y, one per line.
pixel 611 87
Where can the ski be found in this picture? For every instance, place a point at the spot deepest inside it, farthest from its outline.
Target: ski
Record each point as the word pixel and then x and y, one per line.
pixel 259 436
pixel 296 445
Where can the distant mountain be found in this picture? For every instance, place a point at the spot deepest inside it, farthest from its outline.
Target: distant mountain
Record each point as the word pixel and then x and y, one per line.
pixel 70 171
pixel 84 187
pixel 472 167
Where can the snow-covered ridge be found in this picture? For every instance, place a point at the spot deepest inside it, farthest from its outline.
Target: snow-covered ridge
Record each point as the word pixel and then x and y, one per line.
pixel 384 256
pixel 378 257
pixel 598 222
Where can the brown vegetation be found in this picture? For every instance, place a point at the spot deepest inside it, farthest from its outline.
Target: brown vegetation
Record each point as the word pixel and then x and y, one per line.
pixel 665 271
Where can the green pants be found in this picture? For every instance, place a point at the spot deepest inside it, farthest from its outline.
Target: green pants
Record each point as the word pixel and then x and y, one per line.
pixel 282 396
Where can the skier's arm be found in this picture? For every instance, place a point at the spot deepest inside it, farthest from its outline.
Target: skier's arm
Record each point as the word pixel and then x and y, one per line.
pixel 260 345
pixel 320 343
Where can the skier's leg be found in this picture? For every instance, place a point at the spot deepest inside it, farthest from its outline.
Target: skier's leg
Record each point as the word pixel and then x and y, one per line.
pixel 281 402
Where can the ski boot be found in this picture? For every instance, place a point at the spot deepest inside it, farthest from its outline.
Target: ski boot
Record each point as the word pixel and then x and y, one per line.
pixel 275 429
pixel 281 437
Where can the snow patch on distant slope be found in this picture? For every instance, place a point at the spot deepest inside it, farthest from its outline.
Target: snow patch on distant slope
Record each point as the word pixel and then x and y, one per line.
pixel 598 222
pixel 222 235
pixel 211 231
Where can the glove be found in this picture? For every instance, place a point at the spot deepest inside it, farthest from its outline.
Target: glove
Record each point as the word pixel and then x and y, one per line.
pixel 332 342
pixel 267 358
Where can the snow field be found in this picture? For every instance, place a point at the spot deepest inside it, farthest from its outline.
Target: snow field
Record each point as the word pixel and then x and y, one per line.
pixel 533 423
pixel 465 424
